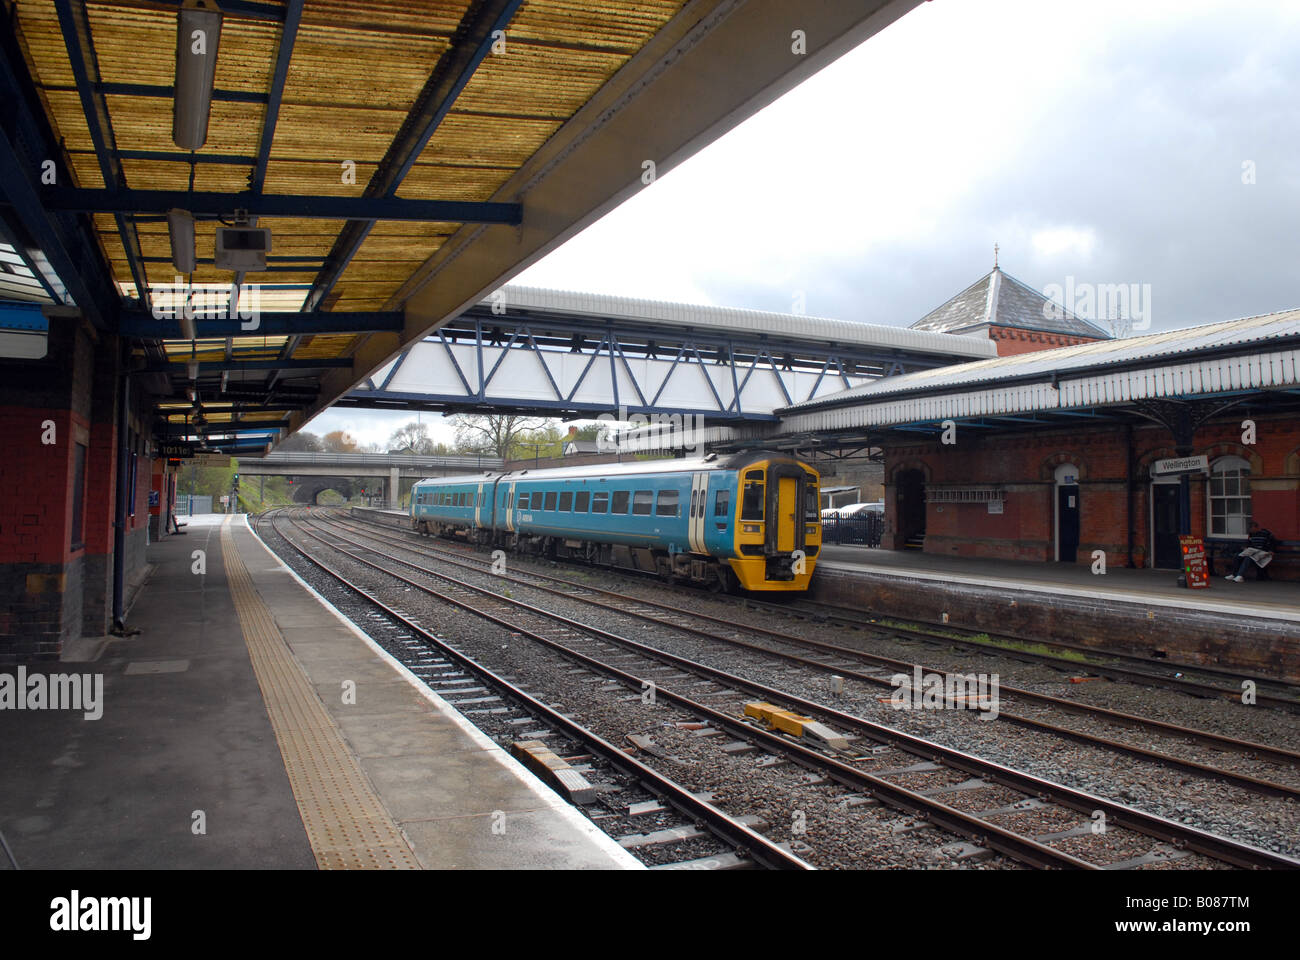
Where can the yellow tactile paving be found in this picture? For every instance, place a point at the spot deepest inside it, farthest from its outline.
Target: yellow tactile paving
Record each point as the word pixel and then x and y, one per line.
pixel 347 825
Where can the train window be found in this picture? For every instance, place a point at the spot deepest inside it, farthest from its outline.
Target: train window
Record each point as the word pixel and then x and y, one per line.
pixel 619 504
pixel 550 500
pixel 755 475
pixel 751 502
pixel 722 503
pixel 667 504
pixel 642 501
pixel 600 502
pixel 522 502
pixel 566 501
pixel 580 501
pixel 811 505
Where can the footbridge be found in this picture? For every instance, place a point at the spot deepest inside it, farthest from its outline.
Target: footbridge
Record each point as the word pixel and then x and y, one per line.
pixel 561 353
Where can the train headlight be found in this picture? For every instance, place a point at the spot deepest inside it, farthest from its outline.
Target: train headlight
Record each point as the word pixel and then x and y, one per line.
pixel 810 531
pixel 751 528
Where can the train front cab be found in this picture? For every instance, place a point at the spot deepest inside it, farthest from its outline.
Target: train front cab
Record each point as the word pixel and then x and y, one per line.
pixel 777 527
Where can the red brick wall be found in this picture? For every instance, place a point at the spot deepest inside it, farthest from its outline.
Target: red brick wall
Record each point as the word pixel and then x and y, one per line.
pixel 1012 340
pixel 1023 464
pixel 36 482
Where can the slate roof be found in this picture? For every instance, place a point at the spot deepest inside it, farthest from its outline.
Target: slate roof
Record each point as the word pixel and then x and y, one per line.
pixel 999 299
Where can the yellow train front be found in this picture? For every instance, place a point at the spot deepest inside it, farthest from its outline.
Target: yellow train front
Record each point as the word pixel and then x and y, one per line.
pixel 775 532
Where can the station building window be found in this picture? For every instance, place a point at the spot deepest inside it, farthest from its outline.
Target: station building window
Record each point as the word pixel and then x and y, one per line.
pixel 666 506
pixel 1229 497
pixel 599 502
pixel 619 504
pixel 642 502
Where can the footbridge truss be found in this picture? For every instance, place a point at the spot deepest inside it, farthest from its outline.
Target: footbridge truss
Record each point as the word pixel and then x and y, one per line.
pixel 559 353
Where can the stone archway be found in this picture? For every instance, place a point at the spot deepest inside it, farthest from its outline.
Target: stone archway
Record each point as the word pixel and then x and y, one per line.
pixel 309 489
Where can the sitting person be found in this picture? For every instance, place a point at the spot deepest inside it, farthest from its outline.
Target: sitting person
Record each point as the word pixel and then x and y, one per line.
pixel 1259 551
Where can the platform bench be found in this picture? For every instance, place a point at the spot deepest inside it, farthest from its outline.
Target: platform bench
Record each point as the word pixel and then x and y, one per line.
pixel 1286 553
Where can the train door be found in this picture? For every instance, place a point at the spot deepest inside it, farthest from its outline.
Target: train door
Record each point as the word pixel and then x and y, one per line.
pixel 698 511
pixel 478 506
pixel 509 515
pixel 787 511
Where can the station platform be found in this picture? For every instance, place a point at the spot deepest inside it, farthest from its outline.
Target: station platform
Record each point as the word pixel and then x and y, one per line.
pixel 223 741
pixel 1253 626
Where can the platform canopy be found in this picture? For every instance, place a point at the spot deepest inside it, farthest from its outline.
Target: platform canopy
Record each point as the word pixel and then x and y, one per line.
pixel 1179 378
pixel 408 158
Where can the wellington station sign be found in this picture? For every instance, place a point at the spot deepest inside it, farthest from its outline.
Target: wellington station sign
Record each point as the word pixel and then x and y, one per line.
pixel 1164 468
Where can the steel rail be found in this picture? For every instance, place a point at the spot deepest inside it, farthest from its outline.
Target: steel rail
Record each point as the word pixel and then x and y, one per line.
pixel 1258 750
pixel 854 619
pixel 1220 848
pixel 763 850
pixel 1021 848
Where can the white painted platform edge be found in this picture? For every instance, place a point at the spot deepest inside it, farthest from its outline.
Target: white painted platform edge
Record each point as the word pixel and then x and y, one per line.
pixel 549 797
pixel 1038 586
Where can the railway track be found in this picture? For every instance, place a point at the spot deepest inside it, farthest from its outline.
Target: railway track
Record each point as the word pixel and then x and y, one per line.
pixel 1110 664
pixel 887 771
pixel 451 673
pixel 843 659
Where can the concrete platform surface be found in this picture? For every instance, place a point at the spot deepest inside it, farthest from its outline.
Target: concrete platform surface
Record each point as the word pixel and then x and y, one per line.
pixel 1274 599
pixel 182 767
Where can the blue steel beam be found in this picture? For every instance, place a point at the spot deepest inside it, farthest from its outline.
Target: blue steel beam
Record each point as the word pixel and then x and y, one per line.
pixel 64 241
pixel 74 22
pixel 202 203
pixel 145 326
pixel 470 44
pixel 155 90
pixel 288 37
pixel 243 9
pixel 235 365
pixel 36 262
pixel 388 400
pixel 177 156
pixel 283 55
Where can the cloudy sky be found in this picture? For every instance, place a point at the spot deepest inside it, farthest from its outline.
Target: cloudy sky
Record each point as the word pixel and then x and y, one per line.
pixel 1153 143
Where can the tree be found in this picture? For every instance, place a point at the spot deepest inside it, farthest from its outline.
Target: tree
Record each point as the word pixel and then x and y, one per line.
pixel 544 443
pixel 302 442
pixel 496 435
pixel 412 437
pixel 339 441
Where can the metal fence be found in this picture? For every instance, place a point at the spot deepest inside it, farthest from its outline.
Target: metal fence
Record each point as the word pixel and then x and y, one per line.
pixel 187 505
pixel 865 528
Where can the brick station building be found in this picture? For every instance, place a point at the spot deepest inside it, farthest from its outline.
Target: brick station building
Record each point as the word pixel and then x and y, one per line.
pixel 1054 454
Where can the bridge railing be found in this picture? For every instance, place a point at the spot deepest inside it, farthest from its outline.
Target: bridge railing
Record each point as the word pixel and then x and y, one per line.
pixel 290 458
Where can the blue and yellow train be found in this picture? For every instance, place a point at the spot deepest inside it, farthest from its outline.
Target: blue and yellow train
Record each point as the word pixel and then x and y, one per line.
pixel 748 520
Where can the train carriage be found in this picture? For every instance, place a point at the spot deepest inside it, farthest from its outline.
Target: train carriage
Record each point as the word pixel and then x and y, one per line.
pixel 746 520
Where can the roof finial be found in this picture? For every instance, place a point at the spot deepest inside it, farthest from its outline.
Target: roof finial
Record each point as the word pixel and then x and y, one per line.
pixel 995 256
